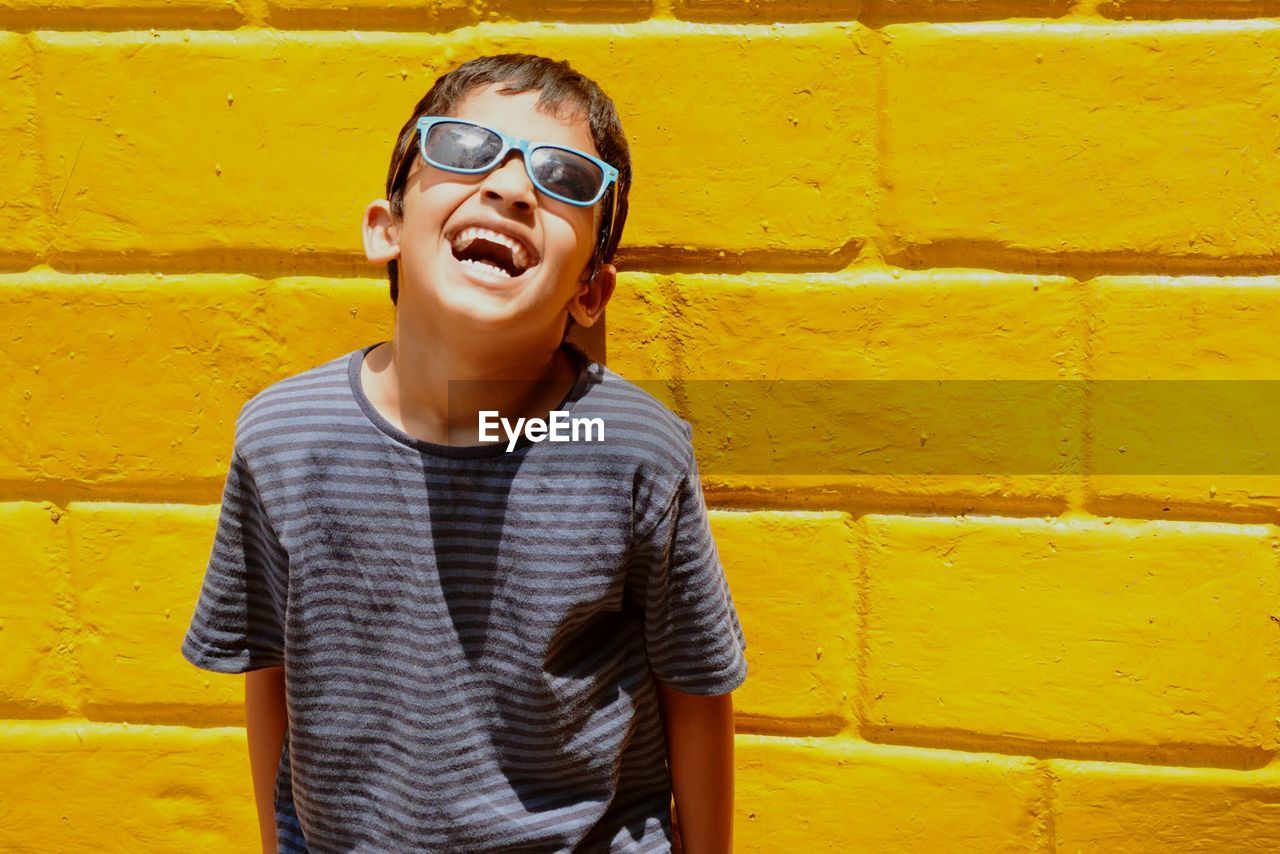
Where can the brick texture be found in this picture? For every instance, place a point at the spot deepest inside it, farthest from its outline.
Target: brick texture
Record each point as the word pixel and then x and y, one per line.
pixel 947 652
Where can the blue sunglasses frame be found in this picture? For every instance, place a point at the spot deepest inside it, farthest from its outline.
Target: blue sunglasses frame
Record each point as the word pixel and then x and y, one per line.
pixel 525 147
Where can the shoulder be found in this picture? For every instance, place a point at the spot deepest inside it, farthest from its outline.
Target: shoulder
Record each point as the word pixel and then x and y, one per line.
pixel 282 407
pixel 637 421
pixel 654 444
pixel 645 440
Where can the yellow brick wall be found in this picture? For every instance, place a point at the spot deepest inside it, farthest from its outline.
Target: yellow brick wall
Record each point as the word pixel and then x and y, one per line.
pixel 837 190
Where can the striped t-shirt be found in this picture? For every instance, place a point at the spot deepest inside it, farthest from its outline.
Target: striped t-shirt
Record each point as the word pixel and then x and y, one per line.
pixel 469 635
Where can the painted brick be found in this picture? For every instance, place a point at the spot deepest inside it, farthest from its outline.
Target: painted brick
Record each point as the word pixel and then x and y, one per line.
pixel 353 313
pixel 1083 137
pixel 638 344
pixel 870 12
pixel 1073 631
pixel 767 11
pixel 278 163
pixel 880 325
pixel 128 377
pixel 117 787
pixel 37 675
pixel 1123 808
pixel 24 203
pixel 256 162
pixel 1182 328
pixel 1169 9
pixel 120 14
pixel 793 577
pixel 184 353
pixel 447 14
pixel 138 569
pixel 840 795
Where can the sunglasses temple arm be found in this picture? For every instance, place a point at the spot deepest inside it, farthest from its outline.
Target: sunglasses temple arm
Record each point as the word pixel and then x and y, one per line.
pixel 603 247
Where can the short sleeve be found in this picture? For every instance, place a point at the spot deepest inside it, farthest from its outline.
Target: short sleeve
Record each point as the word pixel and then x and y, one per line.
pixel 693 639
pixel 238 622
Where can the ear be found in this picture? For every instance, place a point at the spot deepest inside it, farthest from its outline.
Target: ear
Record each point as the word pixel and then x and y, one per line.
pixel 381 232
pixel 588 303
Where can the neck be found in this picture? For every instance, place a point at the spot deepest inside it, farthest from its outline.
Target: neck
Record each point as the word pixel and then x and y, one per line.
pixel 435 384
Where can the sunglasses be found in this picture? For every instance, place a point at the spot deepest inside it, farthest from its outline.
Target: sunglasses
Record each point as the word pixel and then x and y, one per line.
pixel 559 171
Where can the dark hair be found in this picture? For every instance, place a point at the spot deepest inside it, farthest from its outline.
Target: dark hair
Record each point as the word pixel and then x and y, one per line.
pixel 560 88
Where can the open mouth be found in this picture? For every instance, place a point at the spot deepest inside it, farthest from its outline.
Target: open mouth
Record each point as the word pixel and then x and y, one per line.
pixel 491 254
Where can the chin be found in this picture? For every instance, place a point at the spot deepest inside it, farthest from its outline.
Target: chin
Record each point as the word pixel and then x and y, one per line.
pixel 465 304
pixel 465 307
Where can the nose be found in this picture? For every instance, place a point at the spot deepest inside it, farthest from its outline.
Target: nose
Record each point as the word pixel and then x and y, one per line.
pixel 509 184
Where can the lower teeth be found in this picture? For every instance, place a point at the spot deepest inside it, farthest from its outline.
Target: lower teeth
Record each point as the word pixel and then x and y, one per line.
pixel 487 268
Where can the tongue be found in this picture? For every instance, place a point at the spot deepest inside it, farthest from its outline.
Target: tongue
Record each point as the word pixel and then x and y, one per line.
pixel 487 252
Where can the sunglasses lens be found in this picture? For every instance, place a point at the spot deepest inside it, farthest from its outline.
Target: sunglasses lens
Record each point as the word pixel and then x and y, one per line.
pixel 462 146
pixel 566 173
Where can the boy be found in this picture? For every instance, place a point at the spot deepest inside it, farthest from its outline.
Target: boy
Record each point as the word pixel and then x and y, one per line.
pixel 459 644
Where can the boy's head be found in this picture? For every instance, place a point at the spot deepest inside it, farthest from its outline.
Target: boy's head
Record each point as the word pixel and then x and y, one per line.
pixel 425 228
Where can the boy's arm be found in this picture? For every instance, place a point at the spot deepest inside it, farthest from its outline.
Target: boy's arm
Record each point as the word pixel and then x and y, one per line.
pixel 266 717
pixel 700 752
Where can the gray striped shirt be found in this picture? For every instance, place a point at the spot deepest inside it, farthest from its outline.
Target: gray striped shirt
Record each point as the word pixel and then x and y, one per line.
pixel 469 635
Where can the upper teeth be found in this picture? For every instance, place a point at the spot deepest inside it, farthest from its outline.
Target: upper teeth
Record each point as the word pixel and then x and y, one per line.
pixel 519 255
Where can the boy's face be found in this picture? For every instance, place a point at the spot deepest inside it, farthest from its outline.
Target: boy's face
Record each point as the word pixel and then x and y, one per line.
pixel 558 237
